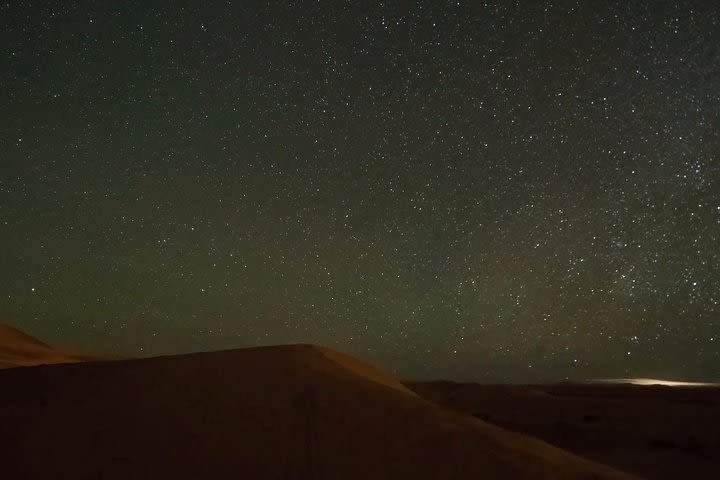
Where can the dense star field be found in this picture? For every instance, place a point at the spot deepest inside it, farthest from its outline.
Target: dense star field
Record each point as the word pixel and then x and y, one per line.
pixel 512 191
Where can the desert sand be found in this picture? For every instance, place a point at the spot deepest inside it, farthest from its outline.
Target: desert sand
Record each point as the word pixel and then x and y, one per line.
pixel 18 349
pixel 660 432
pixel 297 411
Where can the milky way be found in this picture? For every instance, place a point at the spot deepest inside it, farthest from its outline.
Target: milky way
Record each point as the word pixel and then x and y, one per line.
pixel 515 191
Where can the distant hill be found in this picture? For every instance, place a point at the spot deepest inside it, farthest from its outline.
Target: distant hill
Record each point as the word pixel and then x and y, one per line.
pixel 656 431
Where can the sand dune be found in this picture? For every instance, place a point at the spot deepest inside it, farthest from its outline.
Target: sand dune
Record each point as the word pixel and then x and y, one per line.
pixel 18 349
pixel 274 412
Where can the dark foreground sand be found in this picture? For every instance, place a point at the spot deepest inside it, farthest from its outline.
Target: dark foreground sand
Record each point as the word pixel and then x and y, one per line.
pixel 653 431
pixel 277 412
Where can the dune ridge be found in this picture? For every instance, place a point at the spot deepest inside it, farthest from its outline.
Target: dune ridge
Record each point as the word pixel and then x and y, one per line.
pixel 18 349
pixel 298 411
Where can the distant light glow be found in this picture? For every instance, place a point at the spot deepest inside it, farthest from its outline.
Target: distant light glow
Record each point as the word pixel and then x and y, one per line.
pixel 654 381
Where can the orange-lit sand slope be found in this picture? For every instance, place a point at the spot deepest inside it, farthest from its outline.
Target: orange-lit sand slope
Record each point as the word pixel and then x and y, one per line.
pixel 274 412
pixel 17 349
pixel 659 432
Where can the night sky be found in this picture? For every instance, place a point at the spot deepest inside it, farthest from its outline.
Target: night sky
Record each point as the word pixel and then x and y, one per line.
pixel 513 191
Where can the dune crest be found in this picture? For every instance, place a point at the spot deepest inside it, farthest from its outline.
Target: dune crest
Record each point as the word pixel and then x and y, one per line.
pixel 362 369
pixel 11 335
pixel 296 411
pixel 18 349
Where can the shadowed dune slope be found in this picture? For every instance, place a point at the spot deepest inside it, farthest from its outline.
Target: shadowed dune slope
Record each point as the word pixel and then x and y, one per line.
pixel 18 349
pixel 273 412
